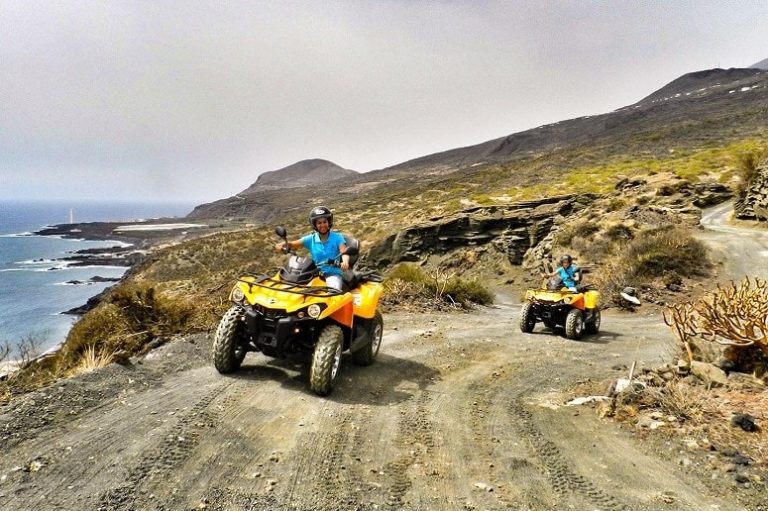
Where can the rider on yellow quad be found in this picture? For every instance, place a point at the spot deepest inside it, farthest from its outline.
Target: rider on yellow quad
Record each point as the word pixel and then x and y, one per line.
pixel 297 311
pixel 563 303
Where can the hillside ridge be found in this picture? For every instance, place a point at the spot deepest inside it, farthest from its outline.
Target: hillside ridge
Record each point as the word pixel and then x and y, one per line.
pixel 301 173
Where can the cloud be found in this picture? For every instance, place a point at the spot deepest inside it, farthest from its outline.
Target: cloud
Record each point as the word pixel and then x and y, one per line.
pixel 197 98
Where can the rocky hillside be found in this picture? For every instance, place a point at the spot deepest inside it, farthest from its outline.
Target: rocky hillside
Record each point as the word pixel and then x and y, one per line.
pixel 303 173
pixel 695 113
pixel 699 84
pixel 763 64
pixel 754 203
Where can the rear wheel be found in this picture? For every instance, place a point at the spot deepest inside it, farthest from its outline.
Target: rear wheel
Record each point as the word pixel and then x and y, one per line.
pixel 326 360
pixel 574 324
pixel 228 351
pixel 593 326
pixel 527 318
pixel 366 355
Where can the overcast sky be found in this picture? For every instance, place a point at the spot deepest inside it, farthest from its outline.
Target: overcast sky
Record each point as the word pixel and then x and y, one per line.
pixel 190 100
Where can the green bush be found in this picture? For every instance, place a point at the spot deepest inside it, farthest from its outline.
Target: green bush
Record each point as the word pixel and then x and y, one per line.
pixel 407 282
pixel 654 253
pixel 468 290
pixel 747 163
pixel 575 231
pixel 619 232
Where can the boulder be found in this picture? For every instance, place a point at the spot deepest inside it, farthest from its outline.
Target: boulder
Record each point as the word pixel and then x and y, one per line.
pixel 709 373
pixel 745 421
pixel 709 194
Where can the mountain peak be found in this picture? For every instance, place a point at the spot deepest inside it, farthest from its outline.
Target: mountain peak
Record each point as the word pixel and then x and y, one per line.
pixel 301 173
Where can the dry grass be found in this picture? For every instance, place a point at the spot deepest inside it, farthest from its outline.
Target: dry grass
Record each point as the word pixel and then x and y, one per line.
pixel 718 412
pixel 90 360
pixel 678 399
pixel 705 413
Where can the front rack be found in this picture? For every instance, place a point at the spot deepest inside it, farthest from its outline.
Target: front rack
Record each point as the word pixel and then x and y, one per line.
pixel 267 282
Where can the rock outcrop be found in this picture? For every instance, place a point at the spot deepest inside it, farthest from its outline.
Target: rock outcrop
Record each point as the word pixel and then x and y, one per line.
pixel 510 229
pixel 754 204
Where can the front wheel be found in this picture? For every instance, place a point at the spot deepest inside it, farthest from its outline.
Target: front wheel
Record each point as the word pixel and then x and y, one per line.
pixel 527 318
pixel 574 324
pixel 228 352
pixel 593 326
pixel 326 360
pixel 366 355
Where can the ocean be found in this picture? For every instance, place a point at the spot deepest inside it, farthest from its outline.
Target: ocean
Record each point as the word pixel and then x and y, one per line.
pixel 34 288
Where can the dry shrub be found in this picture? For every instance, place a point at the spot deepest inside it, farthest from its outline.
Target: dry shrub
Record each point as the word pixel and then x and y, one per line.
pixel 615 204
pixel 130 317
pixel 735 316
pixel 679 399
pixel 652 254
pixel 671 279
pixel 619 232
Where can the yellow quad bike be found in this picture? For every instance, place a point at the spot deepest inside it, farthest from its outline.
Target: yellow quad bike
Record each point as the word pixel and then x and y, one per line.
pixel 294 312
pixel 555 306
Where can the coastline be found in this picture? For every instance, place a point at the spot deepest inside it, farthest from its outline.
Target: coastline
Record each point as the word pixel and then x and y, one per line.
pixel 122 254
pixel 125 250
pixel 133 242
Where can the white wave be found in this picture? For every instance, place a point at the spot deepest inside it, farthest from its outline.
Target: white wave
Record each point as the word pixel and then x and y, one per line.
pixel 36 262
pixel 96 266
pixel 17 235
pixel 48 268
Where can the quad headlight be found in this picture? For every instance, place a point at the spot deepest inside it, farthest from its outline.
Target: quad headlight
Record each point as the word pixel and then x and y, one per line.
pixel 238 295
pixel 314 310
pixel 567 300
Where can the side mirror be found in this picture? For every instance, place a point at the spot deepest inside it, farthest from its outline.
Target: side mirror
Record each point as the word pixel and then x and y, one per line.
pixel 280 231
pixel 351 251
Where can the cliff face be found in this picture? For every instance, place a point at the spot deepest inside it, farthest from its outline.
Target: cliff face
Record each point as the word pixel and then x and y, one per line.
pixel 512 230
pixel 754 204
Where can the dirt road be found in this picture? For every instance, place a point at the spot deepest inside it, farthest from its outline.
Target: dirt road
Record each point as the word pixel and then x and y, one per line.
pixel 743 251
pixel 460 411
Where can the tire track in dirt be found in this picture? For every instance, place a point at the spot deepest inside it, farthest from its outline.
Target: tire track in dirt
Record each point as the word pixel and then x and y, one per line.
pixel 325 453
pixel 163 458
pixel 495 465
pixel 562 477
pixel 61 404
pixel 416 438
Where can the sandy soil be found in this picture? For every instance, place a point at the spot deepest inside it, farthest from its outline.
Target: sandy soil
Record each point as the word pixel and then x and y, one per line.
pixel 461 411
